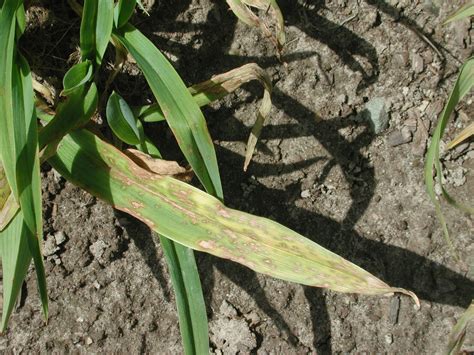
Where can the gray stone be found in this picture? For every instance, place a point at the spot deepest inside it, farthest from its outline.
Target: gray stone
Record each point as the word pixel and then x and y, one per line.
pixel 305 194
pixel 60 238
pixel 397 138
pixel 417 63
pixel 49 246
pixel 97 249
pixel 376 114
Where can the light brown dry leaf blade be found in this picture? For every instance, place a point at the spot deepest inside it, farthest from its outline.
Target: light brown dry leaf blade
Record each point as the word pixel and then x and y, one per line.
pixel 223 84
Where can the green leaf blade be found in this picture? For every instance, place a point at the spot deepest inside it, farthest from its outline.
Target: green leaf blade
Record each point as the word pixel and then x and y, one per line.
pixel 19 141
pixel 123 11
pixel 96 28
pixel 121 120
pixel 462 86
pixel 16 259
pixel 77 76
pixel 189 296
pixel 465 11
pixel 182 113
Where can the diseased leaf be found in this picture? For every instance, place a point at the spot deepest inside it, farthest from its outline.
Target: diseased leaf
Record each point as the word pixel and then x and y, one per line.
pixel 159 166
pixel 199 221
pixel 184 276
pixel 8 211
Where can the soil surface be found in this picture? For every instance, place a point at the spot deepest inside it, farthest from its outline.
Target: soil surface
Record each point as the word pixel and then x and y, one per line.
pixel 320 169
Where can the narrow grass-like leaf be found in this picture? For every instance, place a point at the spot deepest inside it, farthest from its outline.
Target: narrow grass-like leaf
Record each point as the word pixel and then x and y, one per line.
pixel 462 136
pixel 182 113
pixel 121 119
pixel 19 140
pixel 28 169
pixel 199 221
pixel 432 164
pixel 465 11
pixel 87 32
pixel 7 133
pixel 16 259
pixel 456 338
pixel 20 20
pixel 96 28
pixel 77 76
pixel 189 296
pixel 123 11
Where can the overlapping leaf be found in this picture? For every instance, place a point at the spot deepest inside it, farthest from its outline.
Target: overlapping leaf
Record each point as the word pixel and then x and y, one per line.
pixel 121 120
pixel 123 12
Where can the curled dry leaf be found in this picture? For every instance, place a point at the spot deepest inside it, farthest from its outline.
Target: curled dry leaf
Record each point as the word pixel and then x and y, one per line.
pixel 223 84
pixel 465 134
pixel 159 166
pixel 271 18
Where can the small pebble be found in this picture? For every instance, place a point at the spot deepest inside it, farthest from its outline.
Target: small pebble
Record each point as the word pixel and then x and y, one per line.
pixel 389 338
pixel 305 194
pixel 88 341
pixel 97 249
pixel 60 238
pixel 397 138
pixel 376 114
pixel 49 246
pixel 417 63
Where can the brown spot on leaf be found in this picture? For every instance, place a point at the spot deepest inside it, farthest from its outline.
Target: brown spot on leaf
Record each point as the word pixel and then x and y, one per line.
pixel 207 244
